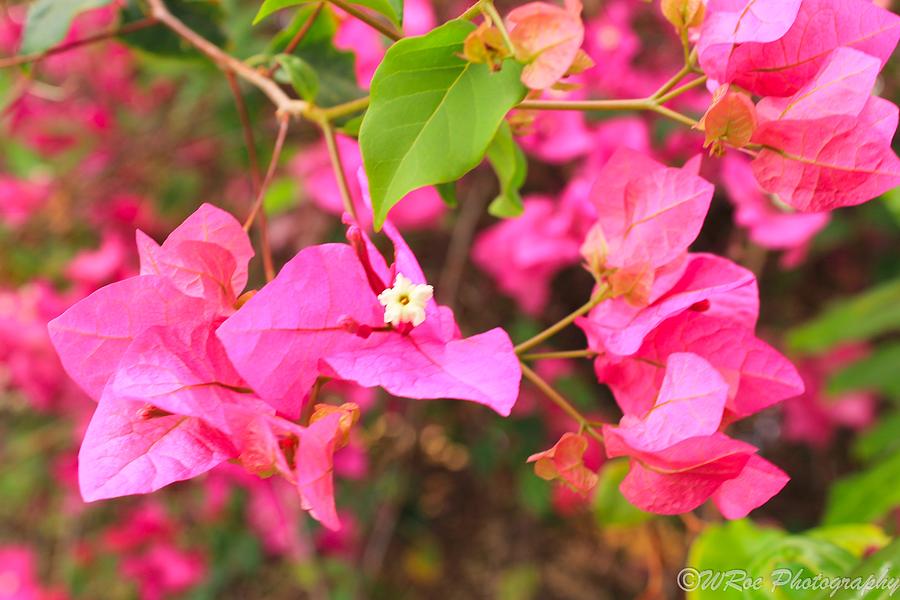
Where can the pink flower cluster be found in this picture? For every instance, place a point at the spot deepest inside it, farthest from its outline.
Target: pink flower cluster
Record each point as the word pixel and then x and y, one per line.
pixel 675 343
pixel 826 141
pixel 188 373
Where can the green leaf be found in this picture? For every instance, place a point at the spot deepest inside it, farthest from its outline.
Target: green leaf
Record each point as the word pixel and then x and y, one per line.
pixel 511 167
pixel 610 506
pixel 432 114
pixel 883 566
pixel 862 317
pixel 866 496
pixel 801 557
pixel 743 541
pixel 877 372
pixel 880 440
pixel 392 9
pixel 856 539
pixel 447 192
pixel 303 77
pixel 48 22
pixel 200 15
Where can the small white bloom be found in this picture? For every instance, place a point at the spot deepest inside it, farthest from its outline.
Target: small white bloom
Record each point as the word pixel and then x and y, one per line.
pixel 405 302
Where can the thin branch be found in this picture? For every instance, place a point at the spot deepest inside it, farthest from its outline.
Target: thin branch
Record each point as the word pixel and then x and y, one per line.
pixel 674 115
pixel 269 87
pixel 338 167
pixel 587 105
pixel 368 20
pixel 284 123
pixel 560 354
pixel 249 142
pixel 347 108
pixel 560 401
pixel 679 91
pixel 91 39
pixel 671 83
pixel 601 295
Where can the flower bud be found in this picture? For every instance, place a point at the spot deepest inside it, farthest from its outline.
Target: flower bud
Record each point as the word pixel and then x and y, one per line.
pixel 683 14
pixel 730 120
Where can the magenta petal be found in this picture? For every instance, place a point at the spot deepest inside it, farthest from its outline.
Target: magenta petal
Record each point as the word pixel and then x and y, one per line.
pixel 92 335
pixel 315 466
pixel 666 494
pixel 731 22
pixel 275 341
pixel 823 164
pixel 619 328
pixel 783 66
pixel 758 482
pixel 184 370
pixel 122 454
pixel 757 374
pixel 211 224
pixel 482 368
pixel 842 87
pixel 198 269
pixel 690 403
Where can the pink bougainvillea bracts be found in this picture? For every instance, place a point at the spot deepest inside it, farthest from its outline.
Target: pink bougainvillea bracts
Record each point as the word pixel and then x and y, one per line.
pixel 679 457
pixel 546 38
pixel 326 315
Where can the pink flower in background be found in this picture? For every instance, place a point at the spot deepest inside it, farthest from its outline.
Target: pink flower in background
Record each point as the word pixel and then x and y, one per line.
pixel 20 198
pixel 419 209
pixel 679 458
pixel 341 329
pixel 369 45
pixel 18 576
pixel 814 416
pixel 164 570
pixel 771 224
pixel 524 254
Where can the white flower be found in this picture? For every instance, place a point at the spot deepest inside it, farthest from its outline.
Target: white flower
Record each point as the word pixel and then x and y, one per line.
pixel 405 302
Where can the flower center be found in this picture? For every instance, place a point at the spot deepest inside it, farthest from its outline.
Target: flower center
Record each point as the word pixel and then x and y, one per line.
pixel 405 302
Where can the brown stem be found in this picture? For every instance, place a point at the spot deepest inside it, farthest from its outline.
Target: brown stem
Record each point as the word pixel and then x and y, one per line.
pixel 269 87
pixel 599 296
pixel 560 401
pixel 560 354
pixel 249 142
pixel 284 123
pixel 368 19
pixel 98 37
pixel 338 167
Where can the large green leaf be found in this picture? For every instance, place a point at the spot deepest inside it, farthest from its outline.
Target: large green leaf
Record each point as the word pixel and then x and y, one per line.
pixel 877 372
pixel 432 114
pixel 883 566
pixel 867 315
pixel 48 22
pixel 865 496
pixel 727 547
pixel 511 167
pixel 392 9
pixel 855 538
pixel 797 557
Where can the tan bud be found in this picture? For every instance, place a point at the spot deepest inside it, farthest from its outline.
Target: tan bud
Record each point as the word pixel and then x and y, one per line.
pixel 683 14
